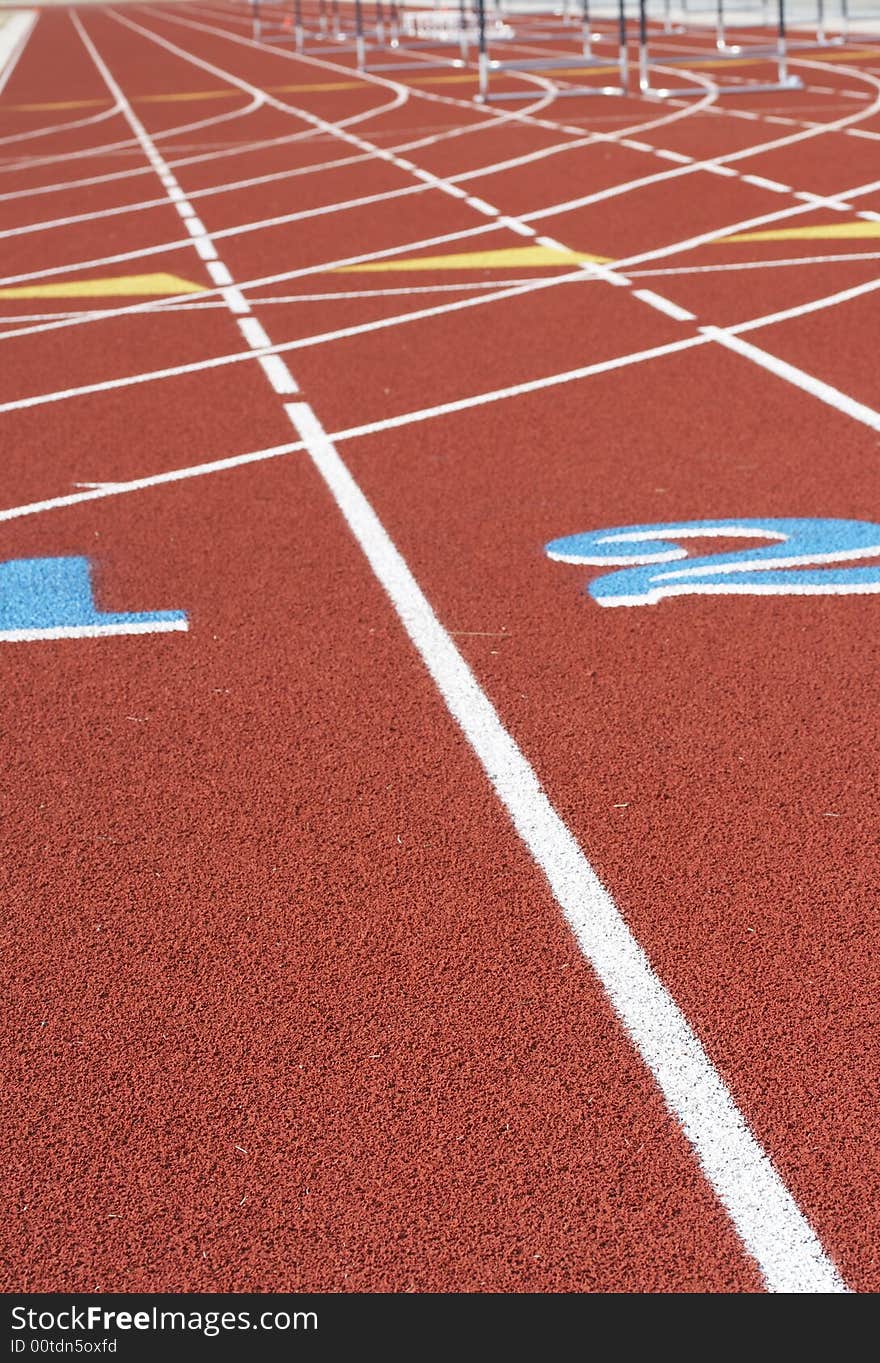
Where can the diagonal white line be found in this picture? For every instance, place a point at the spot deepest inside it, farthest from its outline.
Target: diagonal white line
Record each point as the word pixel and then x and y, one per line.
pixel 770 1223
pixel 799 378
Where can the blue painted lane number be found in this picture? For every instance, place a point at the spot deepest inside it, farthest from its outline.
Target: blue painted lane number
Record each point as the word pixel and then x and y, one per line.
pixel 790 565
pixel 51 598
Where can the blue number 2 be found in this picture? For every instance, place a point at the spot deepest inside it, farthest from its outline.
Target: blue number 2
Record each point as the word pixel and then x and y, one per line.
pixel 788 566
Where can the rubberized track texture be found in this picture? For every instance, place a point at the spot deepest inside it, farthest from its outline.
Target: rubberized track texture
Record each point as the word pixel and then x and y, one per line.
pixel 438 621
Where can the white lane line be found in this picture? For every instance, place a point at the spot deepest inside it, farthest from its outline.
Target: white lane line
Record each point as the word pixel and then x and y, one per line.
pixel 762 183
pixel 591 267
pixel 772 1227
pixel 733 265
pixel 208 254
pixel 89 181
pixel 481 206
pixel 706 333
pixel 285 276
pixel 800 1231
pixel 103 490
pixel 228 187
pixel 254 333
pixel 665 155
pixel 828 300
pixel 125 145
pixel 445 185
pixel 197 366
pixel 205 248
pixel 55 128
pixel 672 249
pixel 273 366
pixel 610 276
pixel 831 396
pixel 224 153
pixel 716 169
pixel 654 300
pixel 721 163
pixel 219 272
pixel 335 130
pixel 278 374
pixel 821 201
pixel 22 636
pixel 518 389
pixel 302 343
pixel 744 225
pixel 522 229
pixel 194 226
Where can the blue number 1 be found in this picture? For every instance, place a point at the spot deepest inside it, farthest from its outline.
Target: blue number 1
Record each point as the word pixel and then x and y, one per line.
pixel 788 566
pixel 51 598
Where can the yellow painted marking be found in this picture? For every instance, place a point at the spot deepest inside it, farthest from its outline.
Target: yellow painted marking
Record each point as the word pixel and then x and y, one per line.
pixel 318 85
pixel 514 258
pixel 57 104
pixel 852 54
pixel 119 286
pixel 829 231
pixel 187 96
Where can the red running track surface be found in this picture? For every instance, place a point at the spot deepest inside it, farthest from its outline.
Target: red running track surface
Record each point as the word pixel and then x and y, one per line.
pixel 409 922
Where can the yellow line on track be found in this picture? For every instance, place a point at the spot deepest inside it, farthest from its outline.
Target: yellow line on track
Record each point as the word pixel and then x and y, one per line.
pixel 829 231
pixel 509 258
pixel 118 286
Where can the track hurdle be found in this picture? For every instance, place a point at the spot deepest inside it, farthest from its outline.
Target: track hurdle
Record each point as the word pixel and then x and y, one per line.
pixel 438 27
pixel 801 44
pixel 289 26
pixel 581 62
pixel 778 53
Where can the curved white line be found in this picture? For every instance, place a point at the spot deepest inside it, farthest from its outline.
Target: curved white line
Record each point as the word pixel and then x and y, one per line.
pixel 31 163
pixel 62 127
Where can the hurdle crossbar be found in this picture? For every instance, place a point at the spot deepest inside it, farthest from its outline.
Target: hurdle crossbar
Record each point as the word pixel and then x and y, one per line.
pixel 778 52
pixel 584 61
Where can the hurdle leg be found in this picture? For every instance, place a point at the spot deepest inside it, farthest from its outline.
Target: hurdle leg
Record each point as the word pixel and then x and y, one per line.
pixel 359 45
pixel 482 55
pixel 781 52
pixel 644 82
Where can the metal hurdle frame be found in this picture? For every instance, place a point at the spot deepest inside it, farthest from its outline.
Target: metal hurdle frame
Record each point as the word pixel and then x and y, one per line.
pixel 403 43
pixel 801 44
pixel 784 81
pixel 486 65
pixel 296 31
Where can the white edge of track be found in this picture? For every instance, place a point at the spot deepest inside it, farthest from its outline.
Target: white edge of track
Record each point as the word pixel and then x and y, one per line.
pixel 14 35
